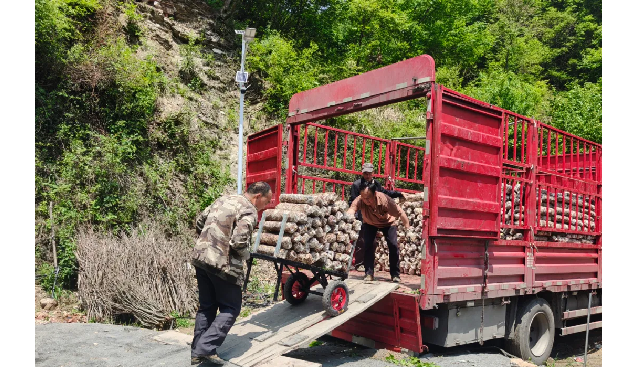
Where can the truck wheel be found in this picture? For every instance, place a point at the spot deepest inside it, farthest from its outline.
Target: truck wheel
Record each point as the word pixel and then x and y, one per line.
pixel 335 298
pixel 293 289
pixel 533 336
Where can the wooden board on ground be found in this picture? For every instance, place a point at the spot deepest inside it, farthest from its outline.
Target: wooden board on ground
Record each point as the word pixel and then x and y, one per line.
pixel 282 361
pixel 174 338
pixel 282 327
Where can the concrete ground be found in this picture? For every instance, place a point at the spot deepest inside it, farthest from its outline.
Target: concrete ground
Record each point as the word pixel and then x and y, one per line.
pixel 105 345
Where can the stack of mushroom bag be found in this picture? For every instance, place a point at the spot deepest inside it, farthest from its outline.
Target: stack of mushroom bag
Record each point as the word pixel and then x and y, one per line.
pixel 564 211
pixel 317 231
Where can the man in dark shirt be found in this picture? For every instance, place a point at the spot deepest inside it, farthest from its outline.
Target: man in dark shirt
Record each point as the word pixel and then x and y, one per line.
pixel 379 213
pixel 355 190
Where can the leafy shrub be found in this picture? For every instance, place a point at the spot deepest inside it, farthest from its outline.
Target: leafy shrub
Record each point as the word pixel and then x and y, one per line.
pixel 285 69
pixel 133 20
pixel 579 111
pixel 188 66
pixel 511 91
pixel 215 4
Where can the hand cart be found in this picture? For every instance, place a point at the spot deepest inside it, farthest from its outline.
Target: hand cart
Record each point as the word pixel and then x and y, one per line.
pixel 297 287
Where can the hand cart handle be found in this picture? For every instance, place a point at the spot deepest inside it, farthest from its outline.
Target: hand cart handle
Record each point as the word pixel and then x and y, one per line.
pixel 261 228
pixel 354 245
pixel 281 234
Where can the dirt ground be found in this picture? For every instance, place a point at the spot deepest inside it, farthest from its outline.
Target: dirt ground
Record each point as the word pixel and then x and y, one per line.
pixel 568 350
pixel 67 311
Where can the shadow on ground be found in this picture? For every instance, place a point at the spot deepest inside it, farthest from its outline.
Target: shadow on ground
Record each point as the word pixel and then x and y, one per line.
pixel 333 352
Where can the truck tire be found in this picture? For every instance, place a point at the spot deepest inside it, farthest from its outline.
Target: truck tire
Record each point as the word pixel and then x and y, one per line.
pixel 533 336
pixel 335 298
pixel 293 288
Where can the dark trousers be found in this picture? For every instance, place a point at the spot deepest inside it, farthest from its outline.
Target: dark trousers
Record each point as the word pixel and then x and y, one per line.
pixel 359 249
pixel 211 328
pixel 369 234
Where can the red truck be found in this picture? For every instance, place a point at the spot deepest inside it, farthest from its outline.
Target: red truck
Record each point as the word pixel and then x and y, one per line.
pixel 511 231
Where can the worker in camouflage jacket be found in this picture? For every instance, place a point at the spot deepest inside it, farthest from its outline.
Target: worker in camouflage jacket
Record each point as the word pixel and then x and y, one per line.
pixel 225 230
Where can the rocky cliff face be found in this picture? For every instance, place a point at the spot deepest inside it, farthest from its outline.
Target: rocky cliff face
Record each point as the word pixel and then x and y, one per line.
pixel 200 55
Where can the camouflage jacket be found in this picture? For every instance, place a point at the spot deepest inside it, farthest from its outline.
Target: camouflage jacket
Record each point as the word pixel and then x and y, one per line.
pixel 225 230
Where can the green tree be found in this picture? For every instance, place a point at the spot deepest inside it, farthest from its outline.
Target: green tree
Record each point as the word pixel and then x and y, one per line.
pixel 511 91
pixel 579 111
pixel 285 68
pixel 573 31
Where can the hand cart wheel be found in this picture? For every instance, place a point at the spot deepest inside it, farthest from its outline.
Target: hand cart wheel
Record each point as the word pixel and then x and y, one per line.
pixel 335 298
pixel 295 289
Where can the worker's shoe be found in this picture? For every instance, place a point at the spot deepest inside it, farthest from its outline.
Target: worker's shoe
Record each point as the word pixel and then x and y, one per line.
pixel 203 361
pixel 396 279
pixel 359 267
pixel 368 278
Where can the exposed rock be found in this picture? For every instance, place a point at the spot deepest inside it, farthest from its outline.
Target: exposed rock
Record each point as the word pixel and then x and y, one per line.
pixel 48 303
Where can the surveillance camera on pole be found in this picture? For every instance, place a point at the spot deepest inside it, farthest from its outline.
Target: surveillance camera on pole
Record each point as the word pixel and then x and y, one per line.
pixel 247 36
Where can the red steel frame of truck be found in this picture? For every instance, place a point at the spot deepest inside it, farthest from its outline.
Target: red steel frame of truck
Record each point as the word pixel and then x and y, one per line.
pixel 474 285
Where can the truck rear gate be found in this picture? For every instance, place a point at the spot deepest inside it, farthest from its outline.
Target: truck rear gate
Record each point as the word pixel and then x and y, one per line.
pixel 473 156
pixel 393 323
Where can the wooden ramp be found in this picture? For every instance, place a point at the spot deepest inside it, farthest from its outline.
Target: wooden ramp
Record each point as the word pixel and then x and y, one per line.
pixel 282 327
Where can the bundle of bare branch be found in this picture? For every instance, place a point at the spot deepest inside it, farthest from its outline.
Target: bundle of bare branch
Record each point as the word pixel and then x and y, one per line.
pixel 143 275
pixel 317 230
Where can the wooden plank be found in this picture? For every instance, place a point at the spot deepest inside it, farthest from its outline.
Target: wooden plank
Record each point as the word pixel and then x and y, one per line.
pixel 309 333
pixel 283 327
pixel 174 337
pixel 282 361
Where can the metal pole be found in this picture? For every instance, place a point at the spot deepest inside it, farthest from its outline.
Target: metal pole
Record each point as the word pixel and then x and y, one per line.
pixel 55 253
pixel 240 147
pixel 243 52
pixel 587 331
pixel 56 269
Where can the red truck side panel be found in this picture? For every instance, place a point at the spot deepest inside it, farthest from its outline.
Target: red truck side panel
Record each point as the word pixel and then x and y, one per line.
pixel 459 265
pixel 263 160
pixel 466 167
pixel 565 265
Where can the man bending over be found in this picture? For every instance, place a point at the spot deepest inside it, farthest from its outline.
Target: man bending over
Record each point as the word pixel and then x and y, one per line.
pixel 379 213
